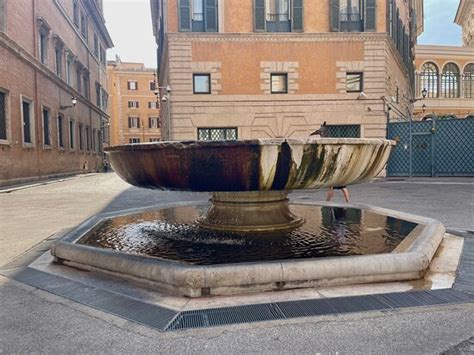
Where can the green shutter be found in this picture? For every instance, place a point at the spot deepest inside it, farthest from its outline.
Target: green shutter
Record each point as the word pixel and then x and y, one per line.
pixel 335 23
pixel 370 15
pixel 211 15
pixel 184 15
pixel 297 23
pixel 259 13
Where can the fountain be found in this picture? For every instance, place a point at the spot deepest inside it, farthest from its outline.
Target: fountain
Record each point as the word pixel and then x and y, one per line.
pixel 249 237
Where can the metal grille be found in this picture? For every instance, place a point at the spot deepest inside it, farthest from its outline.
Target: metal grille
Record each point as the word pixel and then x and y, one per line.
pixel 343 131
pixel 439 148
pixel 217 134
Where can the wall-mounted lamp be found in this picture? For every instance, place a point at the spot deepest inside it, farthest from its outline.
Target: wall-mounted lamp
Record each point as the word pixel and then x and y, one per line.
pixel 424 93
pixel 73 102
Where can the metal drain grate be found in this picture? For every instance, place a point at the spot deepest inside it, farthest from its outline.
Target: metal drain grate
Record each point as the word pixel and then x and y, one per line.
pixel 294 309
pixel 122 306
pixel 465 278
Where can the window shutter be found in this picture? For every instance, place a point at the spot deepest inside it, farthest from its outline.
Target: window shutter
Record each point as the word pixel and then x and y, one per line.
pixel 149 122
pixel 138 122
pixel 259 12
pixel 129 122
pixel 184 16
pixel 297 23
pixel 370 15
pixel 335 23
pixel 211 15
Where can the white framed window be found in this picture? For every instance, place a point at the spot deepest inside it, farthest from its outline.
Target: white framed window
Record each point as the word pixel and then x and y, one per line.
pixel 60 127
pixel 28 122
pixel 134 140
pixel 133 104
pixel 46 122
pixel 154 122
pixel 72 134
pixel 132 85
pixel 5 132
pixel 134 122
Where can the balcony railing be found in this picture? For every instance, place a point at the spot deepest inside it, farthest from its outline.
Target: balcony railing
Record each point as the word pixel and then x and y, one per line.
pixel 278 22
pixel 351 22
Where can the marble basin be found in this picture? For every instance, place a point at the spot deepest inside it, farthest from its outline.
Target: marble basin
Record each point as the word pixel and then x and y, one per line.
pixel 251 165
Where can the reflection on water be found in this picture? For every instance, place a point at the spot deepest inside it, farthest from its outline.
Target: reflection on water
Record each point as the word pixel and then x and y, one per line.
pixel 172 234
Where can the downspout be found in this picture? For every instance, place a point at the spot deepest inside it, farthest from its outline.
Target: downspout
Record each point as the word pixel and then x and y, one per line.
pixel 36 104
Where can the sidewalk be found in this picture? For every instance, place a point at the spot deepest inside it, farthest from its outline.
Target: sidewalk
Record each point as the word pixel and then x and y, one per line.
pixel 33 320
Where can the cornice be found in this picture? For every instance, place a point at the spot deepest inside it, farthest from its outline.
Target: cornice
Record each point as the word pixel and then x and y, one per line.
pixel 26 57
pixel 463 4
pixel 99 21
pixel 278 37
pixel 438 51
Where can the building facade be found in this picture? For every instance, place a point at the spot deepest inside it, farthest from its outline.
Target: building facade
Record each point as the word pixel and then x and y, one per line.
pixel 53 93
pixel 134 107
pixel 446 73
pixel 280 68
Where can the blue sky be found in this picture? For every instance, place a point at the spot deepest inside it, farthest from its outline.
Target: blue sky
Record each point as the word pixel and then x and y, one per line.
pixel 439 23
pixel 129 24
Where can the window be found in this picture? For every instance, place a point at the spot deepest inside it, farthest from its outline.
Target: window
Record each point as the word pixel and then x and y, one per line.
pixel 354 82
pixel 75 14
pixel 83 25
pixel 134 140
pixel 132 85
pixel 60 131
pixel 2 16
pixel 153 140
pixel 81 137
pixel 27 118
pixel 43 47
pixel 86 85
pixel 450 81
pixel 133 104
pixel 58 55
pixel 201 83
pixel 3 116
pixel 78 79
pixel 152 104
pixel 468 81
pixel 278 15
pixel 46 127
pixel 353 15
pixel 154 122
pixel 429 79
pixel 217 134
pixel 72 141
pixel 96 45
pixel 94 145
pixel 279 83
pixel 88 138
pixel 103 59
pixel 152 86
pixel 69 65
pixel 133 122
pixel 198 15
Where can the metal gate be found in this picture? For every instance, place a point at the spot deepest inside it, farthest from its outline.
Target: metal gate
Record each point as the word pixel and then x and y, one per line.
pixel 432 148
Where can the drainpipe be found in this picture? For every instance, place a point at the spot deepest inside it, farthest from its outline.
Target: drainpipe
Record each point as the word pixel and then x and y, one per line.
pixel 36 105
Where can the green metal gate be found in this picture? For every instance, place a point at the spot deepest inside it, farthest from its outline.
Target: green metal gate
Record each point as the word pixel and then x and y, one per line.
pixel 432 148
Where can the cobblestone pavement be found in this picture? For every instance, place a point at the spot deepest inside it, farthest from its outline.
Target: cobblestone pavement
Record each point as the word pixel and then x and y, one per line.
pixel 36 321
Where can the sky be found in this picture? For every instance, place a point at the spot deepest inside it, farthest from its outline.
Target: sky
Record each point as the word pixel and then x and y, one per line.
pixel 129 24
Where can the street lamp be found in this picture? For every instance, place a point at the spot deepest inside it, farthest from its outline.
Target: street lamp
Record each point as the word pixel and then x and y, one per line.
pixel 73 101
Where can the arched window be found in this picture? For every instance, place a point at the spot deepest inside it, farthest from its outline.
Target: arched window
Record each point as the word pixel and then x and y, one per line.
pixel 450 81
pixel 468 81
pixel 429 79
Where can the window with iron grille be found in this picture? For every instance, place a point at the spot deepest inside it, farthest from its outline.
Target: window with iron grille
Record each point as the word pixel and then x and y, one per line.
pixel 27 113
pixel 3 116
pixel 450 81
pixel 133 122
pixel 343 131
pixel 134 140
pixel 217 134
pixel 279 83
pixel 468 81
pixel 46 127
pixel 354 82
pixel 60 131
pixel 201 83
